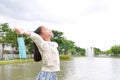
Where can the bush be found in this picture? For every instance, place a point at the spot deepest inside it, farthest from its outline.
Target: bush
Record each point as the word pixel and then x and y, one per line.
pixel 65 56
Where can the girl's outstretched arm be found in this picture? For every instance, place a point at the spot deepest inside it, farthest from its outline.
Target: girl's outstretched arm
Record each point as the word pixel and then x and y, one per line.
pixel 21 31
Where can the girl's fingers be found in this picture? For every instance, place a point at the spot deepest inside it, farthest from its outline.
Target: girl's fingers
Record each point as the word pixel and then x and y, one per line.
pixel 18 30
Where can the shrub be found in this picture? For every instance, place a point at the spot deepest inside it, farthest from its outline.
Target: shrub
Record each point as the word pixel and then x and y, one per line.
pixel 65 56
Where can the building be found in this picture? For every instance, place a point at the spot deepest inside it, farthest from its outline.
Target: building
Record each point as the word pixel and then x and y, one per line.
pixel 6 48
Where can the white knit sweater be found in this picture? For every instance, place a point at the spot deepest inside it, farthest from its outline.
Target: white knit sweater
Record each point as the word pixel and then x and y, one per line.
pixel 49 52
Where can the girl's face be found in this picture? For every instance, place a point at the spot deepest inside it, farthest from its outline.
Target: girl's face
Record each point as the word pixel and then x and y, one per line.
pixel 46 32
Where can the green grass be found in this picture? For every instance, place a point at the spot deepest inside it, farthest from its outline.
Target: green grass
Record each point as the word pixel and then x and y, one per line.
pixel 65 57
pixel 15 61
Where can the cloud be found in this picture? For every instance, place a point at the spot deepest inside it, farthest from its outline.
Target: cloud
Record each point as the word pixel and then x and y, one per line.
pixel 27 10
pixel 10 8
pixel 87 22
pixel 52 11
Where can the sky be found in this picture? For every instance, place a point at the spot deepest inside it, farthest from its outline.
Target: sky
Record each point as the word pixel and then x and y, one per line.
pixel 86 22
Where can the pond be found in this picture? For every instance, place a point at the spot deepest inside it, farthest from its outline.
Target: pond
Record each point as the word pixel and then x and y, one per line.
pixel 83 68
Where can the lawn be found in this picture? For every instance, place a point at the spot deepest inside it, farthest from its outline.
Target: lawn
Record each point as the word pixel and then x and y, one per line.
pixel 16 61
pixel 2 62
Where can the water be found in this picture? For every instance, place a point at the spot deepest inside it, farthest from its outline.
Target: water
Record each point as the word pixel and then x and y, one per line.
pixel 26 71
pixel 90 52
pixel 93 69
pixel 76 69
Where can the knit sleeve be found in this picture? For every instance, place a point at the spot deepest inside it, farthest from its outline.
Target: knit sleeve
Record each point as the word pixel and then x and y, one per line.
pixel 37 39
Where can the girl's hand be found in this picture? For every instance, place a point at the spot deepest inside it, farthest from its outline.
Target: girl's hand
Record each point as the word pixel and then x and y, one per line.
pixel 19 30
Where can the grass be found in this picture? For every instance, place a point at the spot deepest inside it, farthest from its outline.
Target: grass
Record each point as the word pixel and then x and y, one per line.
pixel 16 61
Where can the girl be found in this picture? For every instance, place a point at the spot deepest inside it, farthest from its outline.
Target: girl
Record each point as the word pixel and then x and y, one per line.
pixel 48 51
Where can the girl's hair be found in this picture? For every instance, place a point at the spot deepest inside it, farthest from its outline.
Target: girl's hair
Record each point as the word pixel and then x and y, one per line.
pixel 37 54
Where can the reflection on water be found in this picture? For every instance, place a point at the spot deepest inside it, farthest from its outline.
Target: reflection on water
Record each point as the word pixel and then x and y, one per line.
pixel 93 69
pixel 26 71
pixel 75 69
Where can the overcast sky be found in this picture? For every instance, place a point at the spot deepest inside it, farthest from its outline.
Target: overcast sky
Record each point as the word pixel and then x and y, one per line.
pixel 86 22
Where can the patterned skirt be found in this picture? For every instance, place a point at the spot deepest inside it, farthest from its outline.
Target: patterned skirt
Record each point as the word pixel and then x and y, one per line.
pixel 47 76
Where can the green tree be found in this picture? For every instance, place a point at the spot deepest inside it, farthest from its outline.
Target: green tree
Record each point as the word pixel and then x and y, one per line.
pixel 58 37
pixel 66 46
pixel 80 51
pixel 3 30
pixel 11 38
pixel 115 49
pixel 107 52
pixel 97 51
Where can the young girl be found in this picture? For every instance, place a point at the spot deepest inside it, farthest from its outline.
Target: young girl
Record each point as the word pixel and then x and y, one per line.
pixel 48 51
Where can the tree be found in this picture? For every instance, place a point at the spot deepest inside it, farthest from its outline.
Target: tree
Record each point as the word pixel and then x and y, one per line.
pixel 10 37
pixel 97 51
pixel 115 49
pixel 66 46
pixel 107 52
pixel 59 39
pixel 3 29
pixel 80 51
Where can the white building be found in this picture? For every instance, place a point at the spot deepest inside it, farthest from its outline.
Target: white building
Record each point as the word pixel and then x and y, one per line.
pixel 7 47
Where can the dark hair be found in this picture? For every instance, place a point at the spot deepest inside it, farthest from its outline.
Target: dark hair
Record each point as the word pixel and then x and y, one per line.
pixel 37 54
